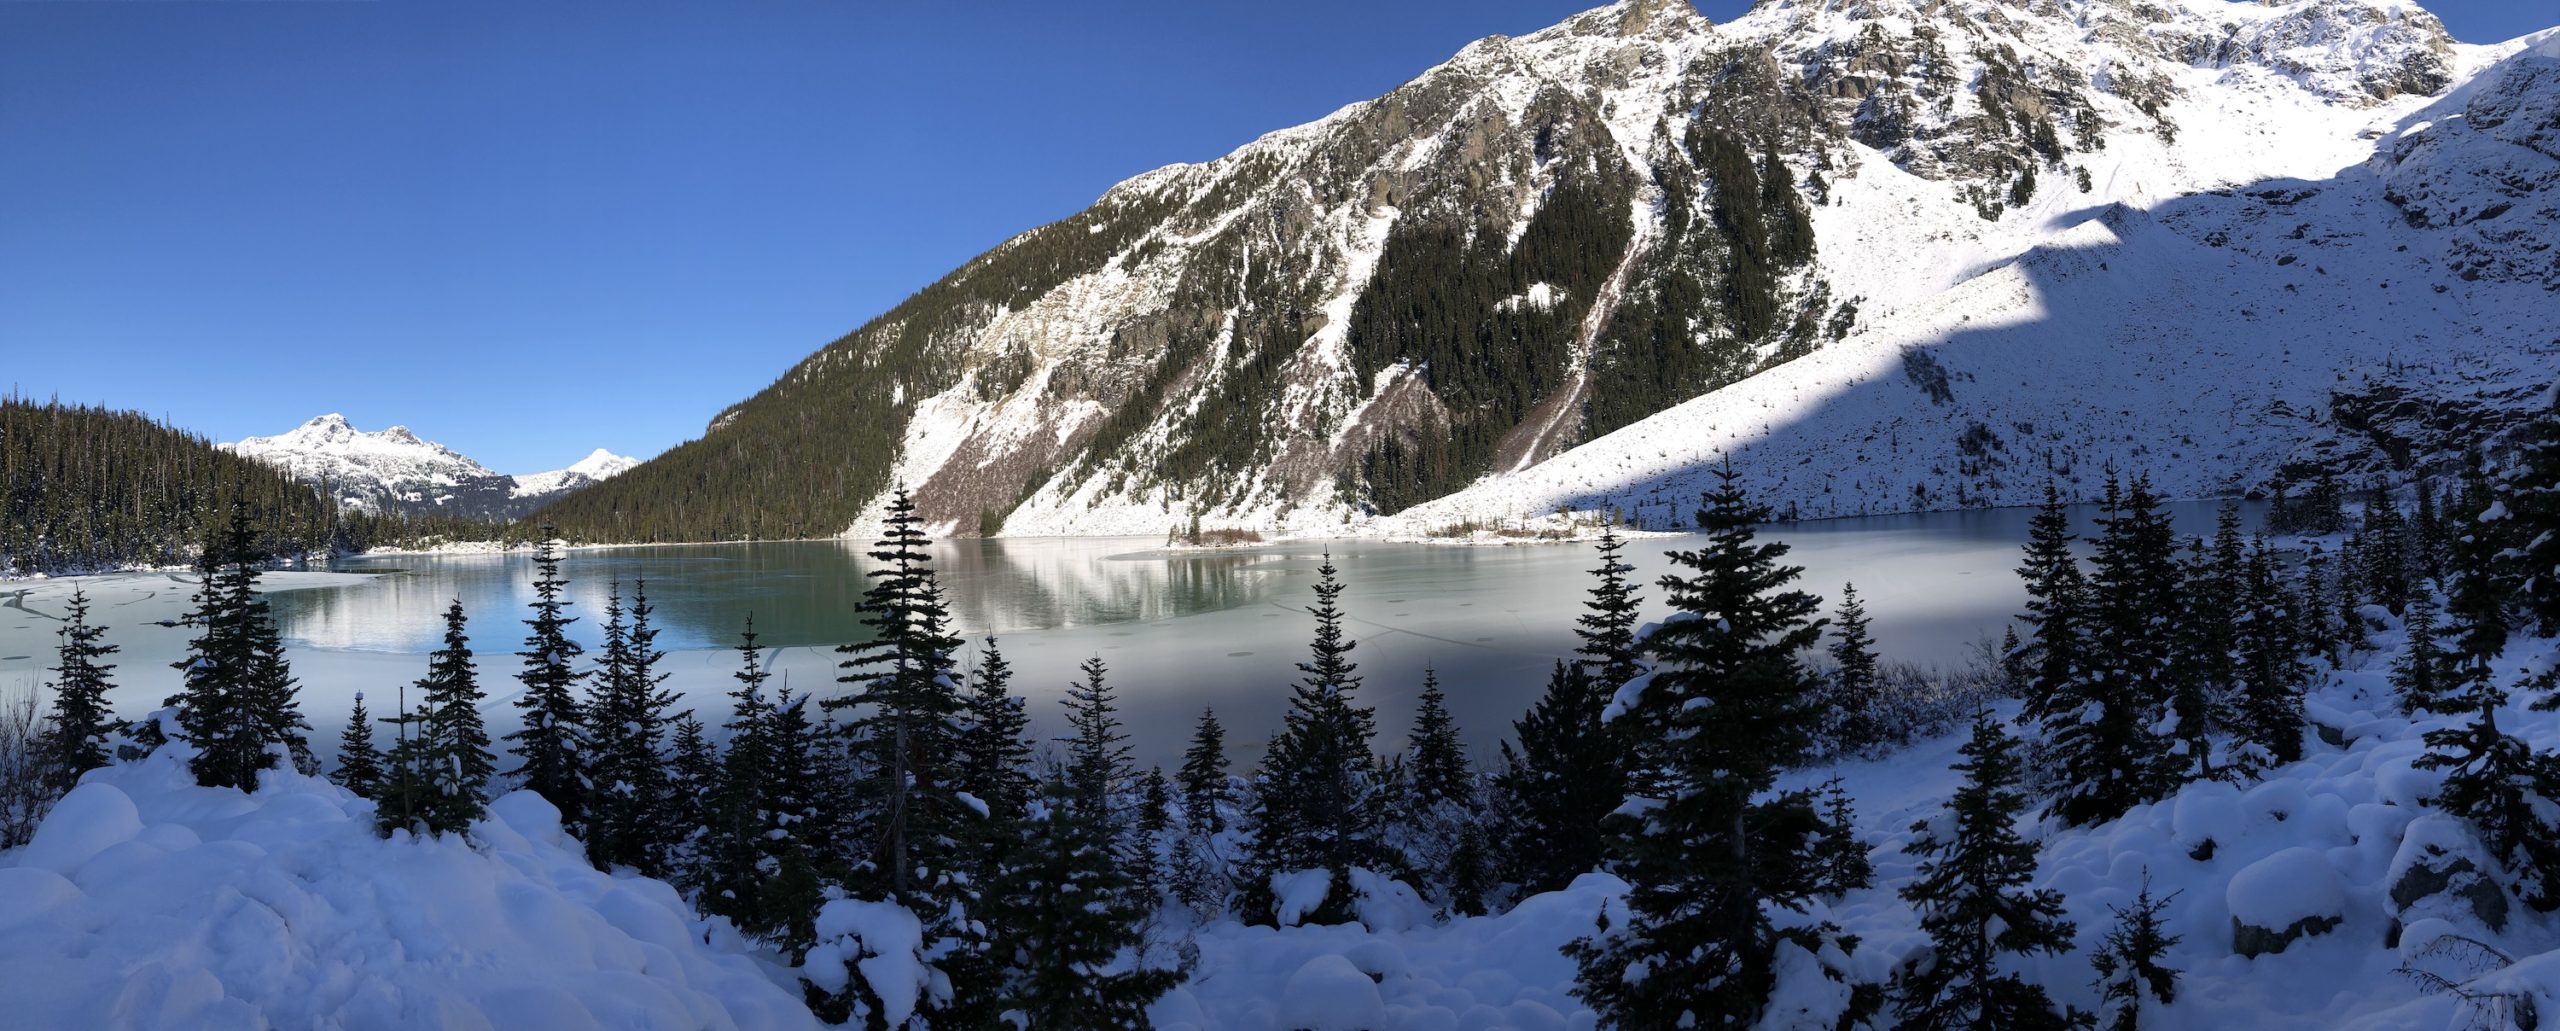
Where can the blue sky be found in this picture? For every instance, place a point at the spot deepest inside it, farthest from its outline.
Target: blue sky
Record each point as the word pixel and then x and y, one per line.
pixel 528 230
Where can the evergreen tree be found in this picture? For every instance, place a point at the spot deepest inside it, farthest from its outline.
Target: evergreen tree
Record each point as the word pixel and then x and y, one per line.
pixel 734 843
pixel 626 713
pixel 1318 799
pixel 1839 856
pixel 2056 596
pixel 2428 544
pixel 1607 654
pixel 550 745
pixel 2314 618
pixel 2384 552
pixel 1203 777
pixel 1070 915
pixel 2099 728
pixel 1155 804
pixel 1727 707
pixel 1437 759
pixel 1854 719
pixel 359 763
pixel 902 740
pixel 2418 675
pixel 2528 493
pixel 237 704
pixel 1972 895
pixel 449 762
pixel 2267 713
pixel 1442 832
pixel 995 760
pixel 1098 750
pixel 2130 974
pixel 2203 669
pixel 2509 793
pixel 1568 771
pixel 693 783
pixel 79 724
pixel 273 694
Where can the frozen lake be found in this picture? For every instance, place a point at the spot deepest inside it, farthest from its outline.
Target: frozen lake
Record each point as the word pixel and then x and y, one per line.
pixel 1181 629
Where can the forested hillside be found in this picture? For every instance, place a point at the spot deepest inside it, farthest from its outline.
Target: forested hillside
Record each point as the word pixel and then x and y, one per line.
pixel 88 487
pixel 85 487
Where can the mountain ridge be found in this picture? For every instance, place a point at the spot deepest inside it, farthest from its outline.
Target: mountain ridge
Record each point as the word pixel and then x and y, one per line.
pixel 1550 238
pixel 395 470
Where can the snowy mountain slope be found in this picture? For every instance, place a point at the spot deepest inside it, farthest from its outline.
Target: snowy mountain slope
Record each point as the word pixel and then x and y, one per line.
pixel 2396 260
pixel 394 469
pixel 148 902
pixel 1536 246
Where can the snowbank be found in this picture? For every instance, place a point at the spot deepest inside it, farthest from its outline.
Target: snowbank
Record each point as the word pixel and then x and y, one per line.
pixel 1504 971
pixel 148 902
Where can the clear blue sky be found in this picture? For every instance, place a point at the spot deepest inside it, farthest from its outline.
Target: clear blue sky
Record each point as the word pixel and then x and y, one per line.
pixel 528 230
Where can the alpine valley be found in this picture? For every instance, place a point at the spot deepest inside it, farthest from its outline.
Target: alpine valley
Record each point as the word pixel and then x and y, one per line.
pixel 1883 255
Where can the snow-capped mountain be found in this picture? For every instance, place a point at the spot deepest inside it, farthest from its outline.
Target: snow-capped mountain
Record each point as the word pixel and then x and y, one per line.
pixel 396 470
pixel 599 465
pixel 1885 254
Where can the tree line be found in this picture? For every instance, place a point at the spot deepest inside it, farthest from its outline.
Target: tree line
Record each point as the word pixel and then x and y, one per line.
pixel 908 813
pixel 85 488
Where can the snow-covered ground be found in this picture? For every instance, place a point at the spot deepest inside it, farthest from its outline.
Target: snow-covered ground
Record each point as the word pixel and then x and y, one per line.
pixel 147 902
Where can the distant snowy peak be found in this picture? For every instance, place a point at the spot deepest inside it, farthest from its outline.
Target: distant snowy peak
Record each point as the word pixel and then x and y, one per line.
pixel 397 470
pixel 599 465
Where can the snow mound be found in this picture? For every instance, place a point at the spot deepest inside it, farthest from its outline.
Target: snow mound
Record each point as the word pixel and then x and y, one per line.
pixel 146 901
pixel 2287 888
pixel 1502 971
pixel 1329 994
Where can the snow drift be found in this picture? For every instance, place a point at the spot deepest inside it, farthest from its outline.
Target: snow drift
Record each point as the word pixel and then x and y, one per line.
pixel 148 902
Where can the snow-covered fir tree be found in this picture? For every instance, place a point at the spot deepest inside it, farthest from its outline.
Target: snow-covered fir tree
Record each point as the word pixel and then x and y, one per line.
pixel 439 775
pixel 1852 698
pixel 237 705
pixel 550 745
pixel 1705 850
pixel 2133 979
pixel 359 762
pixel 903 697
pixel 995 758
pixel 2509 793
pixel 1971 892
pixel 1842 860
pixel 627 717
pixel 2099 719
pixel 1568 771
pixel 2266 711
pixel 1203 777
pixel 1097 748
pixel 2529 497
pixel 1318 801
pixel 78 724
pixel 2418 674
pixel 2057 594
pixel 1069 915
